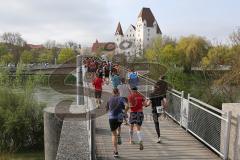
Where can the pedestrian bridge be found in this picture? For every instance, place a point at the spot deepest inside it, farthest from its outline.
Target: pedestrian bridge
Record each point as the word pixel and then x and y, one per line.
pixel 190 130
pixel 177 143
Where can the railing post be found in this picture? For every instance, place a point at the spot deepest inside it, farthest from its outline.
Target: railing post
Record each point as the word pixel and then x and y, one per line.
pixel 237 143
pixel 181 108
pixel 188 111
pixel 80 93
pixel 227 135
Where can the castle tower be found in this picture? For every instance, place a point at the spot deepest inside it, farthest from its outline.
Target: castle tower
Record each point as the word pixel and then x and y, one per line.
pixel 142 35
pixel 147 29
pixel 118 37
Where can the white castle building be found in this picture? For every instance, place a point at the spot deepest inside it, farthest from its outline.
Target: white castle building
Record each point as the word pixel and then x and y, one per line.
pixel 139 37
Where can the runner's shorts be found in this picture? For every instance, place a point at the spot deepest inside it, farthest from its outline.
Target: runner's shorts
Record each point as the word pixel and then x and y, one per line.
pixel 98 94
pixel 136 118
pixel 114 124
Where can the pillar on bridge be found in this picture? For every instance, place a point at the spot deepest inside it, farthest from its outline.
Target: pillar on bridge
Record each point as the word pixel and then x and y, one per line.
pixel 52 131
pixel 79 75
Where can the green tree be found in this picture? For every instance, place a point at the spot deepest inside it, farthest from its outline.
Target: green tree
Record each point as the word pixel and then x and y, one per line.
pixel 169 55
pixel 7 58
pixel 191 50
pixel 66 54
pixel 46 56
pixel 219 55
pixel 153 53
pixel 3 50
pixel 27 57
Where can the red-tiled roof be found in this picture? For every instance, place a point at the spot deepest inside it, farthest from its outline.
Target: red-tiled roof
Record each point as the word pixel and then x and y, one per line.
pixel 33 46
pixel 146 14
pixel 119 29
pixel 96 46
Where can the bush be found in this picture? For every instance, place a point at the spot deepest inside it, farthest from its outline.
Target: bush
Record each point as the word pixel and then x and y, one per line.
pixel 21 121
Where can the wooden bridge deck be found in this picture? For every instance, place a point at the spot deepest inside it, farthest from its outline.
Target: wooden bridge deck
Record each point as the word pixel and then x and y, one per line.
pixel 176 142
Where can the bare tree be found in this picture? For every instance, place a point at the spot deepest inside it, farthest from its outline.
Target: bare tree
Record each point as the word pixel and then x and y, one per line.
pixel 50 44
pixel 235 37
pixel 71 44
pixel 13 38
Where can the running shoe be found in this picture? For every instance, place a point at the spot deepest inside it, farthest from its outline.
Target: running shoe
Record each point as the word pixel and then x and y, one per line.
pixel 115 154
pixel 159 140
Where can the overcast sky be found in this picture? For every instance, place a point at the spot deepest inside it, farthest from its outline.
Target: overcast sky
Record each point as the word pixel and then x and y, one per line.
pixel 85 20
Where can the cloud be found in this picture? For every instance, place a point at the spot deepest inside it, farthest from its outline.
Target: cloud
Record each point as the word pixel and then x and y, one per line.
pixel 38 21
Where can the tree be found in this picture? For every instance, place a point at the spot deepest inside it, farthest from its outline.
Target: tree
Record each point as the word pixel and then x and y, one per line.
pixel 167 40
pixel 169 55
pixel 191 50
pixel 219 55
pixel 3 50
pixel 46 56
pixel 13 38
pixel 26 57
pixel 50 44
pixel 66 54
pixel 7 58
pixel 153 53
pixel 235 37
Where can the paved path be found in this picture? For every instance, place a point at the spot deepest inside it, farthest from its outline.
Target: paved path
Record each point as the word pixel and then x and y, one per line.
pixel 176 142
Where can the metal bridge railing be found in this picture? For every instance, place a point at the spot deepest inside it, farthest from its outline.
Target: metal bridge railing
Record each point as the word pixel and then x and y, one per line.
pixel 208 124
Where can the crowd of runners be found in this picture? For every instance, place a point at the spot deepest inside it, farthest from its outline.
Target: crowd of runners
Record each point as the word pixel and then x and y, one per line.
pixel 126 104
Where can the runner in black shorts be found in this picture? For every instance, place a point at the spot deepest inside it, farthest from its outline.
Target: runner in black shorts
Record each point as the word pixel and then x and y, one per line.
pixel 98 94
pixel 136 103
pixel 115 106
pixel 136 118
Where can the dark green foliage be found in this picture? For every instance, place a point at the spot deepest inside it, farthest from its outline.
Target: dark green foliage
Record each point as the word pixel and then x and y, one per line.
pixel 21 117
pixel 70 79
pixel 21 121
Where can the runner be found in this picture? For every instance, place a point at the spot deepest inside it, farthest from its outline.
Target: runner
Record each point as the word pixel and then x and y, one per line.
pixel 98 83
pixel 100 71
pixel 136 103
pixel 133 78
pixel 106 73
pixel 92 68
pixel 157 101
pixel 115 105
pixel 124 93
pixel 116 80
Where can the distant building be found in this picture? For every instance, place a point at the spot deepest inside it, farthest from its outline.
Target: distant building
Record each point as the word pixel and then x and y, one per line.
pixel 97 46
pixel 139 37
pixel 103 47
pixel 33 46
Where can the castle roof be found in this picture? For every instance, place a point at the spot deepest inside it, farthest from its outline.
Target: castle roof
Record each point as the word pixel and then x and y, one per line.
pixel 146 14
pixel 119 29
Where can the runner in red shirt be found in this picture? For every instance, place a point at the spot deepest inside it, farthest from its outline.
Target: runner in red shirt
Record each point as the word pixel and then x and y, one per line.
pixel 136 103
pixel 98 83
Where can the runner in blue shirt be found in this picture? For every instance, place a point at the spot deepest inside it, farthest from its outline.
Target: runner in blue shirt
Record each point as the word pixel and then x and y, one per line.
pixel 115 107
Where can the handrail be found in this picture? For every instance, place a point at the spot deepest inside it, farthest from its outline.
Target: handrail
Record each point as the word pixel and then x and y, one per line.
pixel 207 105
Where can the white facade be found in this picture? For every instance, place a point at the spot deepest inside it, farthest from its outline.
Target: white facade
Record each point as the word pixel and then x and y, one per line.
pixel 141 35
